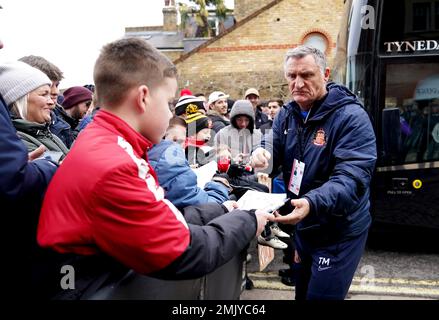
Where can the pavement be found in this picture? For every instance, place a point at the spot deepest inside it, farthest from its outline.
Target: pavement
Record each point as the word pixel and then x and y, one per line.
pixel 381 275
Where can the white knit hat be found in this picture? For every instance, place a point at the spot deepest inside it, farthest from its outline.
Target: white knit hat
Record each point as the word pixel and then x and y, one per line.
pixel 17 79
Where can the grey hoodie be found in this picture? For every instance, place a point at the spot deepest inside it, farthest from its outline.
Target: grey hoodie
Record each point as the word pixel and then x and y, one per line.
pixel 240 141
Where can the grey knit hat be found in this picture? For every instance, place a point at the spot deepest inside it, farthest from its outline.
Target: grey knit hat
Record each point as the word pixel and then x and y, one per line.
pixel 243 107
pixel 17 79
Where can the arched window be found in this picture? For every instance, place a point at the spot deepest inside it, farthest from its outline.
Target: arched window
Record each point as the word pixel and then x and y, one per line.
pixel 316 40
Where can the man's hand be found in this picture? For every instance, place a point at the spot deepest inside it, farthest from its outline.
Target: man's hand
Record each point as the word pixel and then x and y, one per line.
pixel 38 152
pixel 300 211
pixel 260 158
pixel 262 217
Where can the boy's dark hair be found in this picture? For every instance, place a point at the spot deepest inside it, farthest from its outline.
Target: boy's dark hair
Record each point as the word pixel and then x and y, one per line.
pixel 127 63
pixel 279 102
pixel 52 71
pixel 177 121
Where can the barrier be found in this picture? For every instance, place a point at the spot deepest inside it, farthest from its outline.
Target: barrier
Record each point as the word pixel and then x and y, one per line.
pixel 225 283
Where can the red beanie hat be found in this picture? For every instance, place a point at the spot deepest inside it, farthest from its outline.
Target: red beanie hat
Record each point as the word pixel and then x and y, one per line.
pixel 75 95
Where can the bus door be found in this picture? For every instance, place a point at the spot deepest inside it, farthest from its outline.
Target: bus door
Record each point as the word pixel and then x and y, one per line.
pixel 407 180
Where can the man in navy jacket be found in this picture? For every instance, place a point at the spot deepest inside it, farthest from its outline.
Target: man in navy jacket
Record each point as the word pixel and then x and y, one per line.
pixel 326 145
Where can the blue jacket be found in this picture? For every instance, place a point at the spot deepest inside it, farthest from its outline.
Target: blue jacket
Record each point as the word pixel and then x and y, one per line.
pixel 178 180
pixel 63 126
pixel 337 145
pixel 19 178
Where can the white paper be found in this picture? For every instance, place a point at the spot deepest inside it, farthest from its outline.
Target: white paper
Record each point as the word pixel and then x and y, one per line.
pixel 261 200
pixel 205 173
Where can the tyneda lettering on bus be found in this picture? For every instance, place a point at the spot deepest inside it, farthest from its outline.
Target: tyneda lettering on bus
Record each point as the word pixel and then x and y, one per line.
pixel 411 46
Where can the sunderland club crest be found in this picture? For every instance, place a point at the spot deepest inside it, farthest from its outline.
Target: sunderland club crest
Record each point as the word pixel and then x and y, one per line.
pixel 320 138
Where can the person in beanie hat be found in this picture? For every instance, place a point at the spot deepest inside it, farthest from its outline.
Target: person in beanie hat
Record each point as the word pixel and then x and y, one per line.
pixel 198 152
pixel 189 105
pixel 61 123
pixel 26 91
pixel 175 176
pixel 76 102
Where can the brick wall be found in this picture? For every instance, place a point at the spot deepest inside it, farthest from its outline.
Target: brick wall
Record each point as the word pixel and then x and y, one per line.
pixel 172 54
pixel 253 53
pixel 244 8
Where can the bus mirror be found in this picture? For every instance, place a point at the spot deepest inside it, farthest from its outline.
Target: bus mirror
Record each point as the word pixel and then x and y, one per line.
pixel 391 129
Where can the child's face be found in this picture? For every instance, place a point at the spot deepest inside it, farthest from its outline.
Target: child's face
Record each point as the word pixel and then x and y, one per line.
pixel 242 122
pixel 203 135
pixel 176 134
pixel 157 116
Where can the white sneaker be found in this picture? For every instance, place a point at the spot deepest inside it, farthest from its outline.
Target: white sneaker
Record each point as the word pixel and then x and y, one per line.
pixel 278 232
pixel 273 242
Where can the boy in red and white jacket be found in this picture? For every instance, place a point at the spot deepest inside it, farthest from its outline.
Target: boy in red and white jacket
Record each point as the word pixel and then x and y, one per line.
pixel 105 197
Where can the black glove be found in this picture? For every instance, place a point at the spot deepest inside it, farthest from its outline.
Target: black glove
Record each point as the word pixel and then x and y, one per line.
pixel 238 170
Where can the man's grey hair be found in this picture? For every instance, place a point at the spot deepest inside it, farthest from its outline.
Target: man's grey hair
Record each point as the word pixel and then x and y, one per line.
pixel 302 51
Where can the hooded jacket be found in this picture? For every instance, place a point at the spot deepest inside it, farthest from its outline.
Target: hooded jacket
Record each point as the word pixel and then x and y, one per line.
pixel 105 198
pixel 239 140
pixel 179 181
pixel 337 145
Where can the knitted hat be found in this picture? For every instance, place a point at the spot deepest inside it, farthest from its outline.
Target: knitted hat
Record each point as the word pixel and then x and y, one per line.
pixel 75 95
pixel 185 92
pixel 188 104
pixel 17 79
pixel 251 91
pixel 201 122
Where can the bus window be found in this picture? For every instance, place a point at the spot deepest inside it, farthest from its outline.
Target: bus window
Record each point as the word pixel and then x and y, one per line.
pixel 414 89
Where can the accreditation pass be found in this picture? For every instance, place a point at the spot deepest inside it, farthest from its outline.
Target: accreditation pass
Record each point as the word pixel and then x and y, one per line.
pixel 296 176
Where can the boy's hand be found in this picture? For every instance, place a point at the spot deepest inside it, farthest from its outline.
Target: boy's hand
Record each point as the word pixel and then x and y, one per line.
pixel 262 217
pixel 260 158
pixel 300 211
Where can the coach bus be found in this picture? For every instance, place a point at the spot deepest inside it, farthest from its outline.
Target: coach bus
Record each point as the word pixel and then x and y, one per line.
pixel 388 55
